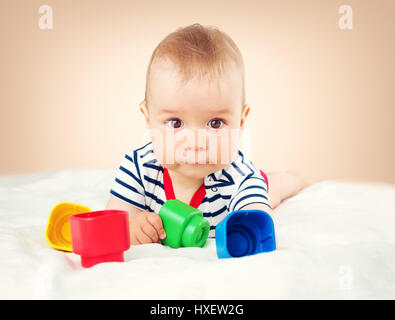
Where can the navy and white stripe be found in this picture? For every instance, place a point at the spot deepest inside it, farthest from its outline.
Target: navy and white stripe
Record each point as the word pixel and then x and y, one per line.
pixel 139 181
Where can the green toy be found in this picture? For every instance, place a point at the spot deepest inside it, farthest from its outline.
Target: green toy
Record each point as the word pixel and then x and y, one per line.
pixel 184 225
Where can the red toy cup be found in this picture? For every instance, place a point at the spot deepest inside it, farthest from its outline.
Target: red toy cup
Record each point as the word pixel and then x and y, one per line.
pixel 100 236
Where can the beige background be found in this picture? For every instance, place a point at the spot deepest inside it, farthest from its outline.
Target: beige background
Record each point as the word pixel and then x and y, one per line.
pixel 323 97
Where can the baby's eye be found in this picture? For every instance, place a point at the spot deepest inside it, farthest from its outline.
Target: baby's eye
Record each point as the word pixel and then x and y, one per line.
pixel 174 123
pixel 215 123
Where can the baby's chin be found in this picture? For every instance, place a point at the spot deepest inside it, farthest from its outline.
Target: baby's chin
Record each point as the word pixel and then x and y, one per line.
pixel 195 171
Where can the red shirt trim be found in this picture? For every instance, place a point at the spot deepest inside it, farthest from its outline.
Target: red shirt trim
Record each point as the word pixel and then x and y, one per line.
pixel 266 179
pixel 168 185
pixel 200 193
pixel 196 199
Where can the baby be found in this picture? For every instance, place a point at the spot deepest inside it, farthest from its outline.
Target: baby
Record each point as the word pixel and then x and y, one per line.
pixel 195 111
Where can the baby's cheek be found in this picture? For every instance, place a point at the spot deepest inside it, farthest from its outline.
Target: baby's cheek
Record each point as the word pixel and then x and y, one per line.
pixel 158 139
pixel 226 147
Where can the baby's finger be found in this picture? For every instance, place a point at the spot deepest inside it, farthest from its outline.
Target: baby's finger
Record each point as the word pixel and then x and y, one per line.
pixel 156 221
pixel 134 240
pixel 150 231
pixel 142 237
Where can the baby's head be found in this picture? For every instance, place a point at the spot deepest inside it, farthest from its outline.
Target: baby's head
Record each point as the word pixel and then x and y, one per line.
pixel 195 100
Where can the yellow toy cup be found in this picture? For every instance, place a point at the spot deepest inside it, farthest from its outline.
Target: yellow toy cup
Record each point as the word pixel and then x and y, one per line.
pixel 58 233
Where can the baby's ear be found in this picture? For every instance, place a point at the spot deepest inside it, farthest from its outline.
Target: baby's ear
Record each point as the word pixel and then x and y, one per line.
pixel 144 110
pixel 244 113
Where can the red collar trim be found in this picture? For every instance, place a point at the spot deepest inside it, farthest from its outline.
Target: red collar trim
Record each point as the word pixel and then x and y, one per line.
pixel 168 185
pixel 266 179
pixel 196 199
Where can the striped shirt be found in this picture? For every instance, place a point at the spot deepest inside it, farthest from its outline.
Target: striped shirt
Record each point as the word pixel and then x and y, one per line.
pixel 145 184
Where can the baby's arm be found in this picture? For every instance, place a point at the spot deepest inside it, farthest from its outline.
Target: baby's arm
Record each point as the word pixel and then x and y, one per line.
pixel 284 185
pixel 145 227
pixel 128 193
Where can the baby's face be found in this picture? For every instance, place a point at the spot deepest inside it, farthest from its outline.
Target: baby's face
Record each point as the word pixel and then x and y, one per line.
pixel 195 128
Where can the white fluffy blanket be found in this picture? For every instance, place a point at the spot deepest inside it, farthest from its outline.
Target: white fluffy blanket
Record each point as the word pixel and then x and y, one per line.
pixel 335 240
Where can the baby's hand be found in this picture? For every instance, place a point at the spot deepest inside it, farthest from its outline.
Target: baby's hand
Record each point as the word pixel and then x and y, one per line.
pixel 146 227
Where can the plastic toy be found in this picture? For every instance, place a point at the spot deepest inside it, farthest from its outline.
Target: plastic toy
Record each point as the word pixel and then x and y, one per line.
pixel 100 236
pixel 245 232
pixel 184 225
pixel 57 232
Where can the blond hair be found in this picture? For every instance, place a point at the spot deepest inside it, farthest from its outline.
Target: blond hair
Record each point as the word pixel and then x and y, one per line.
pixel 198 51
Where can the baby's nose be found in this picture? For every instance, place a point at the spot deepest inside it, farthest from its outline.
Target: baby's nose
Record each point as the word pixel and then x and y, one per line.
pixel 194 146
pixel 193 140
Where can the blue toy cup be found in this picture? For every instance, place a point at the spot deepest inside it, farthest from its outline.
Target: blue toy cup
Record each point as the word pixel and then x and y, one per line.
pixel 245 232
